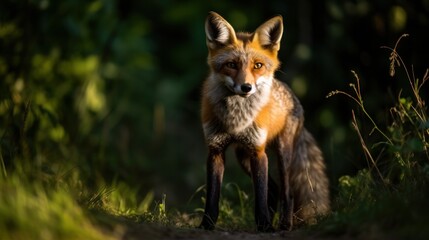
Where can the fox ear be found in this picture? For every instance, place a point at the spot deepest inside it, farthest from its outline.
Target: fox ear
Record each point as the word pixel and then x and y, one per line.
pixel 270 33
pixel 218 31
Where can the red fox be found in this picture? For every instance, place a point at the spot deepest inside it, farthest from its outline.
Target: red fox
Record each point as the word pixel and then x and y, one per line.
pixel 245 106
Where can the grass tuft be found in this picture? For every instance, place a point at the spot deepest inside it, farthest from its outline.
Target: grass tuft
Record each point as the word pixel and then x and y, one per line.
pixel 29 210
pixel 387 199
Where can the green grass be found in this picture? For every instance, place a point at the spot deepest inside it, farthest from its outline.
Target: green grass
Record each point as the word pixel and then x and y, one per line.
pixel 30 210
pixel 388 198
pixel 40 209
pixel 235 209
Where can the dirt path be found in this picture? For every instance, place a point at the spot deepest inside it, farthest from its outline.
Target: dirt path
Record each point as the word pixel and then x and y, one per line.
pixel 155 232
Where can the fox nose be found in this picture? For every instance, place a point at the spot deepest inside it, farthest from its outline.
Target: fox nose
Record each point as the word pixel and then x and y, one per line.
pixel 246 87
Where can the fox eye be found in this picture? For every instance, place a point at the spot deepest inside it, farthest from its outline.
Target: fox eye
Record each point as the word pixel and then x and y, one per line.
pixel 232 65
pixel 258 65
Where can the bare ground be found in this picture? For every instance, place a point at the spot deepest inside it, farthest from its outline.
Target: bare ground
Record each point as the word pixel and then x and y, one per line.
pixel 129 229
pixel 155 232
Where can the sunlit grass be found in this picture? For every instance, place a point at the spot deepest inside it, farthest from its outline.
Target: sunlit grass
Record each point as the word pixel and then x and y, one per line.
pixel 123 201
pixel 29 210
pixel 235 209
pixel 58 205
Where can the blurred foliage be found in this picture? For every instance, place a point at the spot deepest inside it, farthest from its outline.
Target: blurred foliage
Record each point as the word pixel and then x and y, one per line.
pixel 112 88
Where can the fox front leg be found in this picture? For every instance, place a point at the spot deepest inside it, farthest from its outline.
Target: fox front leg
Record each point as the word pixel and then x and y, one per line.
pixel 286 198
pixel 259 168
pixel 285 151
pixel 215 169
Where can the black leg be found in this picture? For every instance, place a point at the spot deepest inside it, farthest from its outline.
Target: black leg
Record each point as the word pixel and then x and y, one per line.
pixel 215 169
pixel 259 166
pixel 273 196
pixel 286 199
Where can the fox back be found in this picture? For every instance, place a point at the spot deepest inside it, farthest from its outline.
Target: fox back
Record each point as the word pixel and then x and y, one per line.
pixel 243 104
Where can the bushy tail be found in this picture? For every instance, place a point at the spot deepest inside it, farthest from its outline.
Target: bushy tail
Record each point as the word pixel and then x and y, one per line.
pixel 310 185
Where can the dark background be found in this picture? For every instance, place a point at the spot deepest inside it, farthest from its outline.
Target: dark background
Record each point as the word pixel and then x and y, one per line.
pixel 112 88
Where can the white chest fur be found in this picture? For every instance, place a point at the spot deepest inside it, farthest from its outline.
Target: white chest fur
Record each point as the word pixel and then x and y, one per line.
pixel 235 115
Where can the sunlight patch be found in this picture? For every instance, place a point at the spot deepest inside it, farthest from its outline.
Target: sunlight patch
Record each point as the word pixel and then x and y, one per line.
pixel 94 98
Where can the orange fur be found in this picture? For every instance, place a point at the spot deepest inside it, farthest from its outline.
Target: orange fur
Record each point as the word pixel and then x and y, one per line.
pixel 272 118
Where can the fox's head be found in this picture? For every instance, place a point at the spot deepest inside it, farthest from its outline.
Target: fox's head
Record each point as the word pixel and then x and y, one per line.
pixel 243 62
